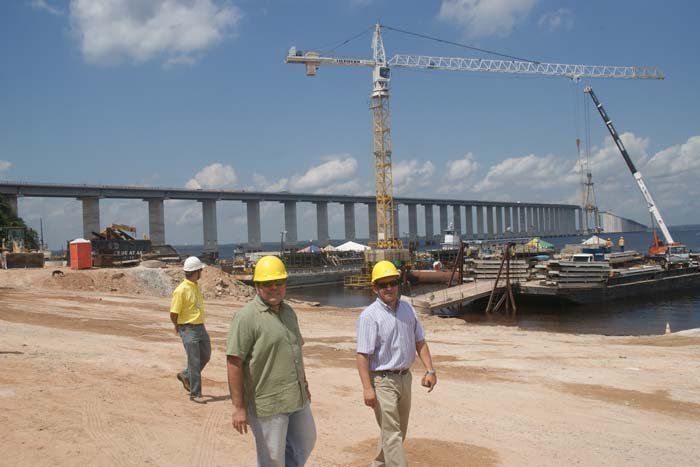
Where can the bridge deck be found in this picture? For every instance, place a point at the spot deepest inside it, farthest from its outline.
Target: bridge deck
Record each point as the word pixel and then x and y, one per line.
pixel 459 294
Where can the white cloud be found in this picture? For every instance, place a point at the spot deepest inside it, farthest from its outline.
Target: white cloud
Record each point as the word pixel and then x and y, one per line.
pixel 485 17
pixel 678 161
pixel 328 177
pixel 459 175
pixel 214 176
pixel 411 175
pixel 4 166
pixel 461 168
pixel 111 31
pixel 607 160
pixel 261 183
pixel 560 19
pixel 45 5
pixel 541 172
pixel 335 174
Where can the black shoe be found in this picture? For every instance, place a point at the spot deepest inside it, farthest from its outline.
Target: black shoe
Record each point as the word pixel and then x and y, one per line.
pixel 185 382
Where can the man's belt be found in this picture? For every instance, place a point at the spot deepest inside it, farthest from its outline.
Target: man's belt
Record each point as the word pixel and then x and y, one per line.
pixel 392 372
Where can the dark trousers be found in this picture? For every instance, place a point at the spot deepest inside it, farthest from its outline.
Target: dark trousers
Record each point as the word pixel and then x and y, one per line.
pixel 198 347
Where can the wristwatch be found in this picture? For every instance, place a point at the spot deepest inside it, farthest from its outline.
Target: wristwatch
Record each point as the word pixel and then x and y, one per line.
pixel 430 372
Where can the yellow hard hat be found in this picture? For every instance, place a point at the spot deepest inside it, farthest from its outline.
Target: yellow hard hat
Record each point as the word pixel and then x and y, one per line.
pixel 384 269
pixel 269 268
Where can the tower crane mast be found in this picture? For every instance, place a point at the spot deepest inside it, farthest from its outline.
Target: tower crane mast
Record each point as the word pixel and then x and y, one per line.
pixel 379 101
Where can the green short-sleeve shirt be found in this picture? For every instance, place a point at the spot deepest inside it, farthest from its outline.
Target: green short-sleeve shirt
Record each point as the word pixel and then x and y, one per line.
pixel 269 344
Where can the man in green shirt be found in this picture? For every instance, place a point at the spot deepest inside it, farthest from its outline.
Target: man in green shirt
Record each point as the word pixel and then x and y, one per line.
pixel 266 374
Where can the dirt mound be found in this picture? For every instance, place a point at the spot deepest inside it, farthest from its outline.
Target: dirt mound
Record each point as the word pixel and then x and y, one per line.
pixel 139 281
pixel 155 282
pixel 216 283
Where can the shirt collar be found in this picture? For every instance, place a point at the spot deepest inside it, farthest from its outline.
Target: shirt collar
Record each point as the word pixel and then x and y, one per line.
pixel 191 283
pixel 262 307
pixel 387 307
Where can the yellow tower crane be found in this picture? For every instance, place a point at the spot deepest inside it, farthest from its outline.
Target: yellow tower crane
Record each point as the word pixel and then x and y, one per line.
pixel 381 128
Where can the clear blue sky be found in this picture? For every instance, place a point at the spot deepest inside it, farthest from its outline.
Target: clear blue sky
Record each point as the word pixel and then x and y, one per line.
pixel 196 93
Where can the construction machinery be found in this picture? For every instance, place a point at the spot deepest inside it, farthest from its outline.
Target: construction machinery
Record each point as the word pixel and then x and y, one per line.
pixel 116 245
pixel 672 251
pixel 117 232
pixel 381 72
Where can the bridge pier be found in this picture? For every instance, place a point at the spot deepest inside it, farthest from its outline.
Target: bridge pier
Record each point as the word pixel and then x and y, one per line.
pixel 349 215
pixel 480 222
pixel 499 221
pixel 443 219
pixel 469 222
pixel 580 221
pixel 253 216
pixel 489 221
pixel 508 225
pixel 412 222
pixel 91 216
pixel 210 235
pixel 457 216
pixel 156 221
pixel 557 221
pixel 322 222
pixel 429 224
pixel 372 215
pixel 290 222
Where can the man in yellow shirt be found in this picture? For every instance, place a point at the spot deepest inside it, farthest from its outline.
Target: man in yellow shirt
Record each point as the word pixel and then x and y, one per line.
pixel 187 314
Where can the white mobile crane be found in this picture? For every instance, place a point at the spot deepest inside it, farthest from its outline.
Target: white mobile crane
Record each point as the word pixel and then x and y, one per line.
pixel 386 236
pixel 672 251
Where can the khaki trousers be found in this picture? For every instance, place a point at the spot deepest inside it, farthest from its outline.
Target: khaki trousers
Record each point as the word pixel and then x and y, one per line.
pixel 392 411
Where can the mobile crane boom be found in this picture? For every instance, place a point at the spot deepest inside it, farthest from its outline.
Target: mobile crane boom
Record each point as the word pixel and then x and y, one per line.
pixel 635 173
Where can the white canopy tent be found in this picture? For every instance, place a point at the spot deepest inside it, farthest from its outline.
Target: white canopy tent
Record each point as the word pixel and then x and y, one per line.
pixel 351 246
pixel 595 241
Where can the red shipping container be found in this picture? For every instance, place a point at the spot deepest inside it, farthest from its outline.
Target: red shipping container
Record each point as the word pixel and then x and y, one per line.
pixel 80 254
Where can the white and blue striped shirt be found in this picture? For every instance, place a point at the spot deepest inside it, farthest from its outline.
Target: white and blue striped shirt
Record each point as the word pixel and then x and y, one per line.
pixel 387 337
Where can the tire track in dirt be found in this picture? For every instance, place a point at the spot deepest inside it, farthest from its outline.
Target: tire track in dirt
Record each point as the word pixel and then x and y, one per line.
pixel 209 437
pixel 98 430
pixel 126 443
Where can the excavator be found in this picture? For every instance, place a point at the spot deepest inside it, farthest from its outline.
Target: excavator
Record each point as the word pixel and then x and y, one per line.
pixel 671 251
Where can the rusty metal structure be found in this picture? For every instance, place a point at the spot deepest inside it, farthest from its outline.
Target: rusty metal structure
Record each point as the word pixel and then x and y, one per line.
pixel 506 300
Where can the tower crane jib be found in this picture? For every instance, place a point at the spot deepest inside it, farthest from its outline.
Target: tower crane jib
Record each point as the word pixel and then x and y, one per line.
pixel 379 101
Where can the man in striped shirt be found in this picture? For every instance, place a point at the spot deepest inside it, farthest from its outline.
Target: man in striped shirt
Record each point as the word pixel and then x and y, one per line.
pixel 388 337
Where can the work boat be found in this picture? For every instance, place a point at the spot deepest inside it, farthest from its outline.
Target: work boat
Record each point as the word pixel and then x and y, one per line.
pixel 450 240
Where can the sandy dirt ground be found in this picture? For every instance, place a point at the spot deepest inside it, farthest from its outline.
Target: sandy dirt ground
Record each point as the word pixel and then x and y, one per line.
pixel 87 377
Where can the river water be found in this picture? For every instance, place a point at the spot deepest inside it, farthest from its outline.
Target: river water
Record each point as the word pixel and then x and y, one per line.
pixel 642 316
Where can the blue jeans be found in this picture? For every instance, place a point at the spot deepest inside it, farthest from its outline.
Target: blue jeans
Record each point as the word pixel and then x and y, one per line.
pixel 284 440
pixel 198 347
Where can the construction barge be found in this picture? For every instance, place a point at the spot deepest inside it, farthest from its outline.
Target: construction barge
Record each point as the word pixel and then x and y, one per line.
pixel 596 282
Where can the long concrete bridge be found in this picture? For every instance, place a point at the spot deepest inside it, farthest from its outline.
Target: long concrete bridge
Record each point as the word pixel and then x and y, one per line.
pixel 494 219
